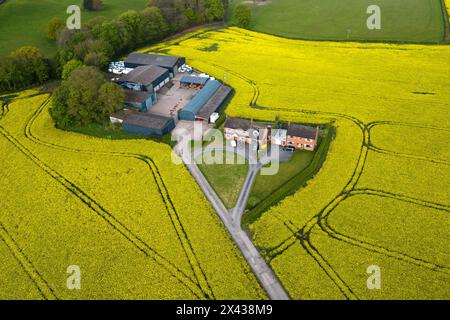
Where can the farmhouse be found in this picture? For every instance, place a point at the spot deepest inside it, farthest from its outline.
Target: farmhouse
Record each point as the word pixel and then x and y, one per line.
pixel 139 100
pixel 301 137
pixel 148 124
pixel 145 78
pixel 290 134
pixel 171 63
pixel 206 102
pixel 244 130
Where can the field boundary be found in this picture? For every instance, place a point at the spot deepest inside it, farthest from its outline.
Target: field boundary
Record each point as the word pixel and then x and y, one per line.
pixel 294 184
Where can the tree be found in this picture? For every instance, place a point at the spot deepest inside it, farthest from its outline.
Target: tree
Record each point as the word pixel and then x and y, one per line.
pixel 216 9
pixel 85 97
pixel 69 67
pixel 242 16
pixel 55 25
pixel 8 74
pixel 133 24
pixel 32 66
pixel 154 26
pixel 96 59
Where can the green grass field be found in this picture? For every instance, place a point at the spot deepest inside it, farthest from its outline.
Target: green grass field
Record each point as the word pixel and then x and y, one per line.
pixel 265 185
pixel 226 179
pixel 402 20
pixel 24 22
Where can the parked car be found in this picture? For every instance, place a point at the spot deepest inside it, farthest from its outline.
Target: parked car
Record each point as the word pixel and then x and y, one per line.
pixel 289 149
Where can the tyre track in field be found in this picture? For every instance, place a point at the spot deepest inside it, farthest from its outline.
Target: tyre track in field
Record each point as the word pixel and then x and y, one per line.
pixel 400 197
pixel 321 219
pixel 138 244
pixel 374 148
pixel 194 263
pixel 25 263
pixel 305 242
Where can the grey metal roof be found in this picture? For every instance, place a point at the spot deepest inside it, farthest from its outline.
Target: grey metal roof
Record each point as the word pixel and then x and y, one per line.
pixel 154 59
pixel 194 80
pixel 144 74
pixel 201 98
pixel 147 120
pixel 135 96
pixel 214 103
pixel 301 131
pixel 238 123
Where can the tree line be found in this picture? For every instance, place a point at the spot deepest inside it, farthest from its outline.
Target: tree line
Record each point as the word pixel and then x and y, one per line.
pixel 100 39
pixel 81 53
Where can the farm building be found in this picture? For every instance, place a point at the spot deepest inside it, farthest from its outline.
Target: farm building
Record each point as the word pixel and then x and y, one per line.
pixel 205 102
pixel 139 100
pixel 146 78
pixel 300 136
pixel 217 100
pixel 243 130
pixel 119 116
pixel 171 63
pixel 148 124
pixel 193 80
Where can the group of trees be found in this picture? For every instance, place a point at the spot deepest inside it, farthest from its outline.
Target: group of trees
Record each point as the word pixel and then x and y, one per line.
pixel 180 14
pixel 24 67
pixel 85 97
pixel 100 39
pixel 242 16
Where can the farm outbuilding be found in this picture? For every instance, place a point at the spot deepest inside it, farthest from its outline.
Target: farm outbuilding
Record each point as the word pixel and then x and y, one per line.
pixel 209 110
pixel 189 80
pixel 139 100
pixel 148 124
pixel 190 111
pixel 171 63
pixel 145 78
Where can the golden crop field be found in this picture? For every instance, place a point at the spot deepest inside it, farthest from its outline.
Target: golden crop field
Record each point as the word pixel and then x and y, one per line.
pixel 120 210
pixel 382 196
pixel 447 4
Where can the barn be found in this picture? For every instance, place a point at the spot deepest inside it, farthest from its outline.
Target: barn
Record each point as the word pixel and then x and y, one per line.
pixel 193 80
pixel 148 124
pixel 205 102
pixel 171 63
pixel 139 100
pixel 145 78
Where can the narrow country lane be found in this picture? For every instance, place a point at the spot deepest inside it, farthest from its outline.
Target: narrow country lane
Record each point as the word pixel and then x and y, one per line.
pixel 232 222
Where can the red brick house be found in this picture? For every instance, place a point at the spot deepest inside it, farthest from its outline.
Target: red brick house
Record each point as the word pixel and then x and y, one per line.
pixel 301 137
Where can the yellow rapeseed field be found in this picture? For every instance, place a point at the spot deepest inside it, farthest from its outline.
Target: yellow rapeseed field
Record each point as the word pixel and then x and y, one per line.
pixel 381 197
pixel 120 210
